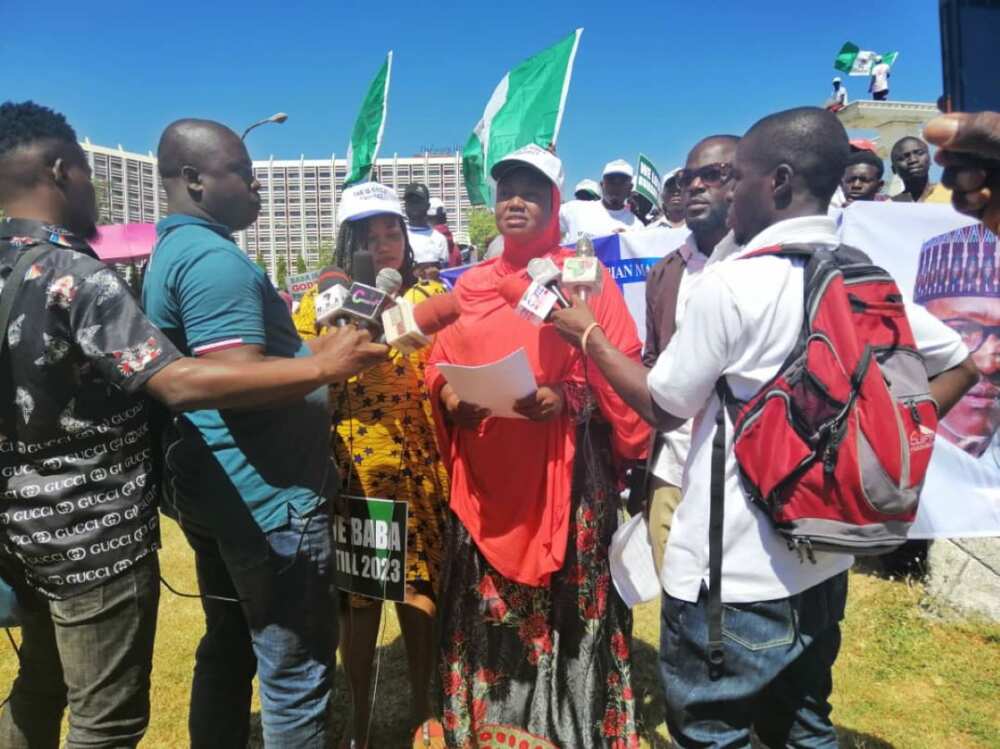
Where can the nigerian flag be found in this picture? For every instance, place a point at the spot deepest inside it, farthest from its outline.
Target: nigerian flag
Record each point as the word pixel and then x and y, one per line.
pixel 526 107
pixel 366 137
pixel 855 61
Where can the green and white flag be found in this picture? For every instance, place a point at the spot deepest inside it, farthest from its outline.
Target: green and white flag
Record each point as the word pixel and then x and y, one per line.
pixel 648 180
pixel 855 61
pixel 366 137
pixel 526 107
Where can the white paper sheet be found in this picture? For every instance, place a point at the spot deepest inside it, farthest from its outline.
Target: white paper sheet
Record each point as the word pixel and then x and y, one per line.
pixel 494 386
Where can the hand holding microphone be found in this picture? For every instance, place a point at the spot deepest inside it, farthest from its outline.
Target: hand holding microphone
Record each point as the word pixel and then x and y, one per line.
pixel 574 322
pixel 581 274
pixel 347 351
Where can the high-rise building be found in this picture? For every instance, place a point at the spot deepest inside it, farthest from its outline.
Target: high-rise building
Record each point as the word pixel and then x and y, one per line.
pixel 299 198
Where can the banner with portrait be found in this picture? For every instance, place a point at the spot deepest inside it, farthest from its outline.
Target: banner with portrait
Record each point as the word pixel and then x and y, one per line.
pixel 948 263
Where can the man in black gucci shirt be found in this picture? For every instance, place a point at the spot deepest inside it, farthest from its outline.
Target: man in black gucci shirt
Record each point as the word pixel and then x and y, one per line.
pixel 78 519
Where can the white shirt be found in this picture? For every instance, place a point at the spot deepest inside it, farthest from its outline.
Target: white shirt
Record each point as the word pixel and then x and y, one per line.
pixel 880 77
pixel 675 445
pixel 742 320
pixel 663 221
pixel 428 245
pixel 592 217
pixel 840 96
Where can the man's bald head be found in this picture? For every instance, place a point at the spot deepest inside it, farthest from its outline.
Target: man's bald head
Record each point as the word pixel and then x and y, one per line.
pixel 194 142
pixel 207 172
pixel 810 140
pixel 788 165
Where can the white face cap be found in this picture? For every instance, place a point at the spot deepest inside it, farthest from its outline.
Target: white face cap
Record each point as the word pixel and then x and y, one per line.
pixel 368 199
pixel 435 205
pixel 536 157
pixel 837 79
pixel 669 176
pixel 589 185
pixel 618 166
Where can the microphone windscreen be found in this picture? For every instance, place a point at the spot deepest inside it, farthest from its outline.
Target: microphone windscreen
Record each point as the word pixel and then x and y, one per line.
pixel 543 269
pixel 331 275
pixel 436 313
pixel 389 280
pixel 363 266
pixel 512 288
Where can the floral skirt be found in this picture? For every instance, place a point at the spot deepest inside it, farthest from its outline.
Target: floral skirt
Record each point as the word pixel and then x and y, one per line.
pixel 541 667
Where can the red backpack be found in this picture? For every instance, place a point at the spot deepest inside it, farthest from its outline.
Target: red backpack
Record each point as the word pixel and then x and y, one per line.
pixel 836 446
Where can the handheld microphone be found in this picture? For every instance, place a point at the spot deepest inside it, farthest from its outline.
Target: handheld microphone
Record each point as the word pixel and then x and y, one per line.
pixel 408 327
pixel 532 301
pixel 332 292
pixel 582 272
pixel 363 306
pixel 390 281
pixel 545 272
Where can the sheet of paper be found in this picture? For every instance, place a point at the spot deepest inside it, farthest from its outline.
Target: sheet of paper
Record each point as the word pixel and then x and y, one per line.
pixel 494 386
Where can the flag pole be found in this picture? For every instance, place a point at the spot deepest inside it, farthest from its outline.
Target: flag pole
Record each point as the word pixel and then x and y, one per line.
pixel 565 90
pixel 385 116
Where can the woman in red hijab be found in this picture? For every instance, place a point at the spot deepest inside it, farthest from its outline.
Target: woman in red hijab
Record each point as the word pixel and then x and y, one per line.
pixel 535 639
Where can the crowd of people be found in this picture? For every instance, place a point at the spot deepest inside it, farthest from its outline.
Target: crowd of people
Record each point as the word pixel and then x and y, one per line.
pixel 207 401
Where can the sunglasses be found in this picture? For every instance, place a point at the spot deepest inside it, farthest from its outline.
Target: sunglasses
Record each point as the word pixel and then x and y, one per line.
pixel 711 175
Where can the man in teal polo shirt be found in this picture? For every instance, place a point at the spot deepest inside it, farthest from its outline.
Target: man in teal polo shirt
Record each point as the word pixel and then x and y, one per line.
pixel 251 487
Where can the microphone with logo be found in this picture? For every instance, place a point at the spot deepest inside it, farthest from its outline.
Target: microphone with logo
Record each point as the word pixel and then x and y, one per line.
pixel 331 293
pixel 581 273
pixel 545 273
pixel 409 327
pixel 532 300
pixel 364 302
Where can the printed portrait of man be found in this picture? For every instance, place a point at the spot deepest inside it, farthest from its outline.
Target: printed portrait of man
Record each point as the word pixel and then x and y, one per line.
pixel 957 283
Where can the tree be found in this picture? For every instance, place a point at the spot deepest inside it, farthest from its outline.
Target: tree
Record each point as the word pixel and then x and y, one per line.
pixel 300 264
pixel 482 228
pixel 103 192
pixel 324 253
pixel 282 271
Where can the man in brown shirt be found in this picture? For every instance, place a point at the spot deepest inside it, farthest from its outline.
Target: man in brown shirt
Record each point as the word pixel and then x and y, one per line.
pixel 705 182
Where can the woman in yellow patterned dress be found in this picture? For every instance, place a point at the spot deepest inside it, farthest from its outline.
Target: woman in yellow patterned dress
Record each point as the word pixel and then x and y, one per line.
pixel 384 445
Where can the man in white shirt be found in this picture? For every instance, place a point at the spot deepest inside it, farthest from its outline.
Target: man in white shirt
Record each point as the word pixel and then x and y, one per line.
pixel 610 214
pixel 781 614
pixel 706 180
pixel 838 99
pixel 879 83
pixel 430 248
pixel 671 204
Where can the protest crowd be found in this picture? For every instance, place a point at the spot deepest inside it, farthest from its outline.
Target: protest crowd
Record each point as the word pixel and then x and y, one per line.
pixel 775 414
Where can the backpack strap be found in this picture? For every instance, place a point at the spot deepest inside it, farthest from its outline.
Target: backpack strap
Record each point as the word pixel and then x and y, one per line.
pixel 716 520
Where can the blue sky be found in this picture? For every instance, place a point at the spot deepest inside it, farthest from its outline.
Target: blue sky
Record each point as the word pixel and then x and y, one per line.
pixel 653 80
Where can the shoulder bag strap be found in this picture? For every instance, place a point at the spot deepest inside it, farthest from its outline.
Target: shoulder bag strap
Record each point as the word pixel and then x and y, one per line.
pixel 716 517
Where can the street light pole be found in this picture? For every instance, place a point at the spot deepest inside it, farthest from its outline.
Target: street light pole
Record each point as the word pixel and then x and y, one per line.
pixel 275 118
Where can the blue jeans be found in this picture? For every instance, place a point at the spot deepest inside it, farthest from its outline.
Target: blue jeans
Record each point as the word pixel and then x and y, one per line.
pixel 94 652
pixel 777 675
pixel 284 628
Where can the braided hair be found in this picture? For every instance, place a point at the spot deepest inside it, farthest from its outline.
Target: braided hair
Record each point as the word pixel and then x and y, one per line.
pixel 352 236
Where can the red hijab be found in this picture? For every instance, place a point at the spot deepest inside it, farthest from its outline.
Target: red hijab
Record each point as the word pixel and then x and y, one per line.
pixel 511 479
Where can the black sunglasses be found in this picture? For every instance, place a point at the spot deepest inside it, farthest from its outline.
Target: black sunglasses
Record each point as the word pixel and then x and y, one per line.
pixel 973 334
pixel 711 175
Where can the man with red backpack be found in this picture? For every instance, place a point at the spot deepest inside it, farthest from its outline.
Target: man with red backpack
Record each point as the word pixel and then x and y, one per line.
pixel 833 429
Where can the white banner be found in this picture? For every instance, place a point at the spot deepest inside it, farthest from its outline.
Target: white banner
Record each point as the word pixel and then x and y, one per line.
pixel 948 263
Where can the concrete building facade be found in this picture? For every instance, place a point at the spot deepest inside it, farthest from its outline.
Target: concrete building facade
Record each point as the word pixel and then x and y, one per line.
pixel 299 197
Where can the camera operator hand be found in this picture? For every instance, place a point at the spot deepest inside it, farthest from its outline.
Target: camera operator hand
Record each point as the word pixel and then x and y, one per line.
pixel 969 150
pixel 347 351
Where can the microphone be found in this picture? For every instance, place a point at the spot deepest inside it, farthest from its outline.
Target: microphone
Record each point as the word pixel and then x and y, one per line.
pixel 545 272
pixel 332 288
pixel 390 281
pixel 408 327
pixel 582 272
pixel 363 267
pixel 363 305
pixel 532 301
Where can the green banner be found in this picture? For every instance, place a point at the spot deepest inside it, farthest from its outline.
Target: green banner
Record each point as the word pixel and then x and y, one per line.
pixel 647 180
pixel 370 545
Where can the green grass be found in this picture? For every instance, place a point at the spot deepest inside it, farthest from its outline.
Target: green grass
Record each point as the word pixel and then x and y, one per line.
pixel 907 677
